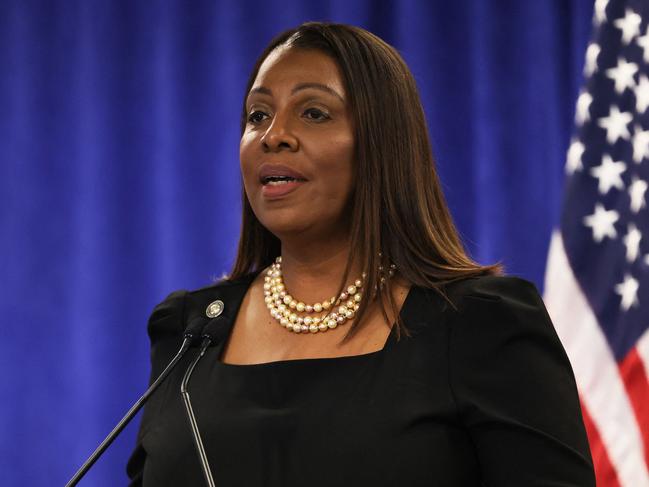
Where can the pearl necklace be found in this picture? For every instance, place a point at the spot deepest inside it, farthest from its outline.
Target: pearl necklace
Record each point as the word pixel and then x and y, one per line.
pixel 284 308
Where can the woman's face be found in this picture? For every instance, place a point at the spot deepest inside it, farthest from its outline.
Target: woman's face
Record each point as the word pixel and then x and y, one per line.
pixel 297 148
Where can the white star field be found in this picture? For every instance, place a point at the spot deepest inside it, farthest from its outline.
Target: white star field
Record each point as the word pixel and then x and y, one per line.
pixel 616 168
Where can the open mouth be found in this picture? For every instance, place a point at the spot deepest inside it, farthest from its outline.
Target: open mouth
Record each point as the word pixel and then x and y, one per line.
pixel 279 180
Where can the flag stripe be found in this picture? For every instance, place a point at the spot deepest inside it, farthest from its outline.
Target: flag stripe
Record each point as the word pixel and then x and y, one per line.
pixel 605 474
pixel 643 352
pixel 635 380
pixel 596 371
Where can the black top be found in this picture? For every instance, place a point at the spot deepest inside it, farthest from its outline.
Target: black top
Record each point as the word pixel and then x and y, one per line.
pixel 481 395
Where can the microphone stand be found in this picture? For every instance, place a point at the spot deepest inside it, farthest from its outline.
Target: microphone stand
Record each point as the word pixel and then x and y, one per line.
pixel 189 336
pixel 211 334
pixel 198 441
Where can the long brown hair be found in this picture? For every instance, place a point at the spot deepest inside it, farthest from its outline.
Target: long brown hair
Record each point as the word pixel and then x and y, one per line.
pixel 399 213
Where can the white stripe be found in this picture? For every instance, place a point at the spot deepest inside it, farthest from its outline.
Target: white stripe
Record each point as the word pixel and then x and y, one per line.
pixel 595 368
pixel 643 351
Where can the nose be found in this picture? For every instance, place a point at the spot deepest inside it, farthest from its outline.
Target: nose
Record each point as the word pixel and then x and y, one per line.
pixel 279 136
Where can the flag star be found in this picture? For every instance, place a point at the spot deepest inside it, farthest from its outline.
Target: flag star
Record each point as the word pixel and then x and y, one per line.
pixel 602 222
pixel 637 189
pixel 632 242
pixel 573 162
pixel 609 174
pixel 592 51
pixel 642 94
pixel 622 75
pixel 629 25
pixel 643 42
pixel 600 11
pixel 640 144
pixel 628 289
pixel 583 107
pixel 616 125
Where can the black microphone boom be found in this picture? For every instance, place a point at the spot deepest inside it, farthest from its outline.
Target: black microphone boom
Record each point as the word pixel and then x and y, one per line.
pixel 192 332
pixel 213 334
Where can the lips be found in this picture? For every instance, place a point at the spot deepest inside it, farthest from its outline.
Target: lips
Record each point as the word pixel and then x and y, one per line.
pixel 279 174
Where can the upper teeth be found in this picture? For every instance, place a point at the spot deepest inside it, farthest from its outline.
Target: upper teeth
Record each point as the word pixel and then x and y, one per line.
pixel 278 179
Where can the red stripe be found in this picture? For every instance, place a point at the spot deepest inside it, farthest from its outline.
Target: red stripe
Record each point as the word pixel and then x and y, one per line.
pixel 605 474
pixel 635 381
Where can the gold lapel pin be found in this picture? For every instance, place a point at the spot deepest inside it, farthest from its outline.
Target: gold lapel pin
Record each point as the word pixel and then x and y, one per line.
pixel 214 309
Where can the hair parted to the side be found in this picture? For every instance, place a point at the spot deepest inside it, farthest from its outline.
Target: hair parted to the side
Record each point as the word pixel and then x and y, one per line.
pixel 398 206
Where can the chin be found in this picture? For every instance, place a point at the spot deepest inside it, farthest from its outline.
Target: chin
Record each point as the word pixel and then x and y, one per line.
pixel 284 228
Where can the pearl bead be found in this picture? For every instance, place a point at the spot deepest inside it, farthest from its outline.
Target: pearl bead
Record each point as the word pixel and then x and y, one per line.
pixel 281 304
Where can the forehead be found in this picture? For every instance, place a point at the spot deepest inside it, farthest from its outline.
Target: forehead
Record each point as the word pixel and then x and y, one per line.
pixel 285 67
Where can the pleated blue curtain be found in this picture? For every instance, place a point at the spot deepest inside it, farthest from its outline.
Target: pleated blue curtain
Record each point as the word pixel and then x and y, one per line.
pixel 119 177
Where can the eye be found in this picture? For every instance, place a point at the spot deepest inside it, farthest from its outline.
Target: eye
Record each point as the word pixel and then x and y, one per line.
pixel 316 114
pixel 257 117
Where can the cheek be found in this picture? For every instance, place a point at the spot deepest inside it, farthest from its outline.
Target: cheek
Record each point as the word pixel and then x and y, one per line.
pixel 336 160
pixel 246 160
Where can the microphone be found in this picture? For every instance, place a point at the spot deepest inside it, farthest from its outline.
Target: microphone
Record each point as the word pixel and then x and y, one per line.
pixel 214 332
pixel 192 333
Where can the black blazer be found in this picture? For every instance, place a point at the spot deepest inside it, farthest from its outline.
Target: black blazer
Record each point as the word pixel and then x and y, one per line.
pixel 482 393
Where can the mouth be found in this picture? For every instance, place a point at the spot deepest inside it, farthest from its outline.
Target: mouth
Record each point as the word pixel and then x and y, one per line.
pixel 277 187
pixel 279 180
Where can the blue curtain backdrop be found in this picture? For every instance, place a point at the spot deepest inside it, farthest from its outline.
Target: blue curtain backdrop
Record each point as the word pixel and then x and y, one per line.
pixel 119 176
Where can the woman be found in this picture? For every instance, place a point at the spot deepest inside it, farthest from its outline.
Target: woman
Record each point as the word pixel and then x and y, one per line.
pixel 364 346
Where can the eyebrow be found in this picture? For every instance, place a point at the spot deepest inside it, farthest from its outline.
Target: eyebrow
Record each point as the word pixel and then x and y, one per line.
pixel 302 86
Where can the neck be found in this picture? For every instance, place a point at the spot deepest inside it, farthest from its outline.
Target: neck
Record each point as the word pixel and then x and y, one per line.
pixel 314 272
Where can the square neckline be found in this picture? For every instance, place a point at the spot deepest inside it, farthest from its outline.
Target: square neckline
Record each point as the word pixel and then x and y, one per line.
pixel 307 360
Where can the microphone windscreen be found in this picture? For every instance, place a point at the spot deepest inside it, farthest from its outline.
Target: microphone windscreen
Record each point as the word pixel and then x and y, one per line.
pixel 216 330
pixel 195 327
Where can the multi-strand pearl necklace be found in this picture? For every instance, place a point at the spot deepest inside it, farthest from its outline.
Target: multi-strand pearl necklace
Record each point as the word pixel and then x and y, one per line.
pixel 285 308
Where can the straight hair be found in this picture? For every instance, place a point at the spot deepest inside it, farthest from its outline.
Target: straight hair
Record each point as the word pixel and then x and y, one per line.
pixel 399 213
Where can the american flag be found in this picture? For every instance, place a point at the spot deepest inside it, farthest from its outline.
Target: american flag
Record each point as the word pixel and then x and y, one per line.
pixel 597 278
